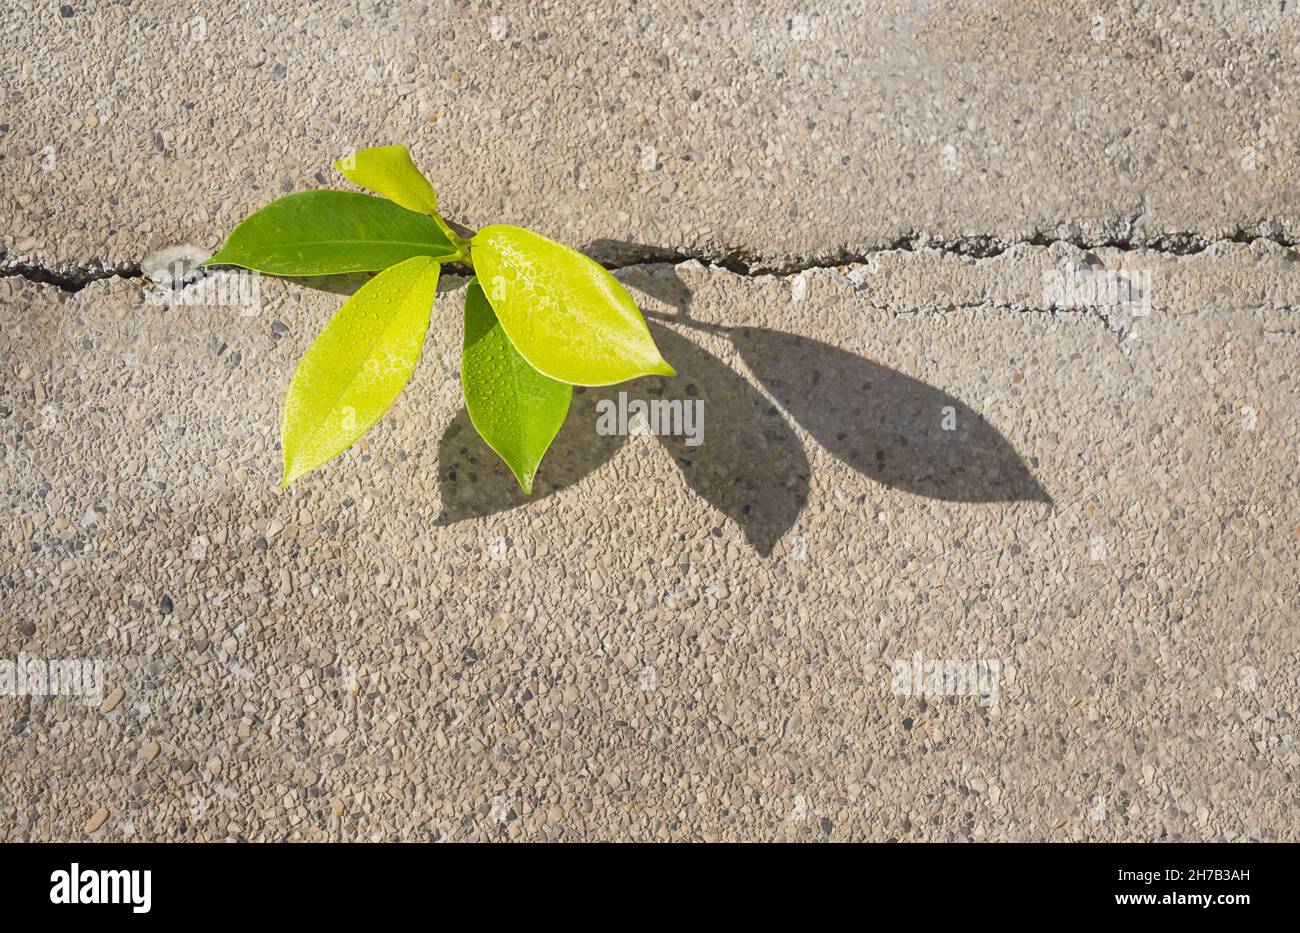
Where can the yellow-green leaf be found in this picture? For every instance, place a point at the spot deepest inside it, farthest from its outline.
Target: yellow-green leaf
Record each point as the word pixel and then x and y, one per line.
pixel 566 315
pixel 357 366
pixel 388 170
pixel 516 409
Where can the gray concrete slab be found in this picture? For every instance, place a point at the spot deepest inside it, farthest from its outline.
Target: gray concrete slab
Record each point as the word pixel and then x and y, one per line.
pixel 775 134
pixel 677 642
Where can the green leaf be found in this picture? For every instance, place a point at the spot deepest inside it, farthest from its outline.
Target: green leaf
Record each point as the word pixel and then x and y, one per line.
pixel 329 232
pixel 388 170
pixel 357 366
pixel 565 314
pixel 516 409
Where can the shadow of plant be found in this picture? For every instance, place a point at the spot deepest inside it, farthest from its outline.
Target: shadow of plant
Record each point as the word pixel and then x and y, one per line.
pixel 345 283
pixel 751 465
pixel 754 470
pixel 892 428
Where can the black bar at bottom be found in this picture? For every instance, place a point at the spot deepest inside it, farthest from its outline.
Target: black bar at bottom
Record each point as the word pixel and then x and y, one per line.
pixel 339 882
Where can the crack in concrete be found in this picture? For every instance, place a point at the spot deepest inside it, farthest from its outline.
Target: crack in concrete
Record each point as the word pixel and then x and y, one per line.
pixel 70 277
pixel 980 246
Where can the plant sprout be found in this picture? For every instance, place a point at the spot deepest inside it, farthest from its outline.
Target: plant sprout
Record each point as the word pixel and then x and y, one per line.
pixel 540 317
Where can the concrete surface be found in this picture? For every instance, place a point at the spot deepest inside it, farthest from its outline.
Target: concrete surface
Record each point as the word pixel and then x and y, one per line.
pixel 986 455
pixel 772 133
pixel 677 643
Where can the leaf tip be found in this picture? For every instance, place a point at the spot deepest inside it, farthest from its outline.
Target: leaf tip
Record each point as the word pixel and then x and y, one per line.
pixel 663 368
pixel 525 482
pixel 291 473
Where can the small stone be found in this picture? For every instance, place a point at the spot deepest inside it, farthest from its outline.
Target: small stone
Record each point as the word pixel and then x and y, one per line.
pixel 150 751
pixel 337 806
pixel 166 605
pixel 97 820
pixel 111 701
pixel 337 737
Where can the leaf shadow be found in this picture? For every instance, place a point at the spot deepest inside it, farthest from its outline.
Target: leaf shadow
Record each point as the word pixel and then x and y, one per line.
pixel 750 464
pixel 345 283
pixel 894 429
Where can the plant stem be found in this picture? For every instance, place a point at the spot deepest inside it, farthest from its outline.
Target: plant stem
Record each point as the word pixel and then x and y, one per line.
pixel 461 244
